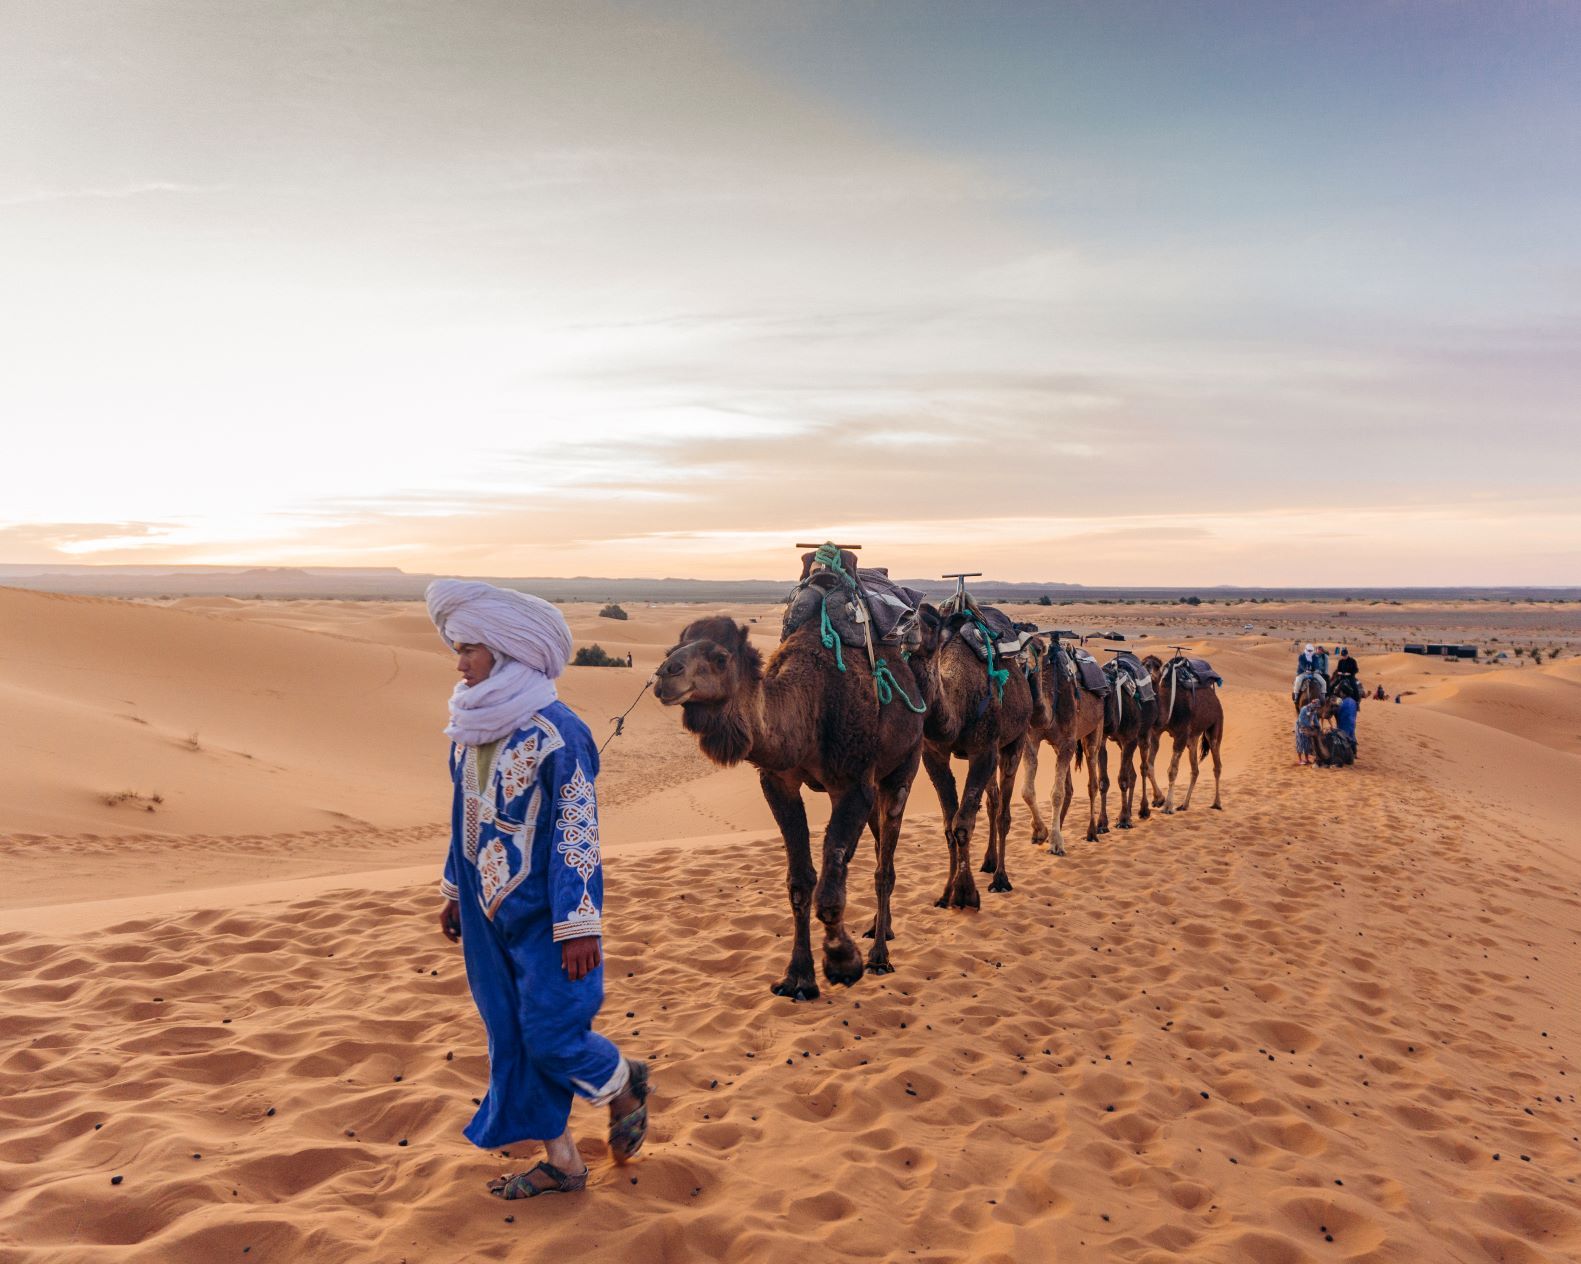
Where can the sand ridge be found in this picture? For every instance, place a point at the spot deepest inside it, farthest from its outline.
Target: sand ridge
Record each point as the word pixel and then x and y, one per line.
pixel 1336 1021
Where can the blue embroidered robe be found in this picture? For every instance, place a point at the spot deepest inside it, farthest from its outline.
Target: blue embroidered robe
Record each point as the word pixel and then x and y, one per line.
pixel 524 865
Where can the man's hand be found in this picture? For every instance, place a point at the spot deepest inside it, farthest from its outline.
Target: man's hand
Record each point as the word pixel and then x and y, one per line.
pixel 581 956
pixel 450 920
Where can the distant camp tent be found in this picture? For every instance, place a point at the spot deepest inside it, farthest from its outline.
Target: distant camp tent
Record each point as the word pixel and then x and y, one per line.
pixel 1443 651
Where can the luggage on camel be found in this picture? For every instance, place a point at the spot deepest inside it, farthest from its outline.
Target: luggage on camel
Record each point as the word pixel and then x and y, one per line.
pixel 1128 674
pixel 1087 671
pixel 1193 672
pixel 852 598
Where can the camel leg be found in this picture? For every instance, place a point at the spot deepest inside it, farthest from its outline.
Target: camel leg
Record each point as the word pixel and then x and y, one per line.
pixel 1155 739
pixel 1103 786
pixel 1174 768
pixel 1192 740
pixel 1127 784
pixel 841 961
pixel 1061 800
pixel 963 892
pixel 1218 737
pixel 1029 790
pixel 1094 754
pixel 991 792
pixel 937 764
pixel 893 792
pixel 999 825
pixel 790 814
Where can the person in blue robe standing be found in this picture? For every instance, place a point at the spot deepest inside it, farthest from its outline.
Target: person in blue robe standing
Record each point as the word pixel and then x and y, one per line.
pixel 523 886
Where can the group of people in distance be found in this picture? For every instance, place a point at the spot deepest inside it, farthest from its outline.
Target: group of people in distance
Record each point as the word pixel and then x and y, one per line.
pixel 1325 728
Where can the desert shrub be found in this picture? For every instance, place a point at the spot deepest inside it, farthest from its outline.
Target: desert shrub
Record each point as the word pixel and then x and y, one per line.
pixel 594 656
pixel 612 611
pixel 1045 600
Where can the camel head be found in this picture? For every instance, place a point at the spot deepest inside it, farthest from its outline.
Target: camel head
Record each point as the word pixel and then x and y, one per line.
pixel 712 675
pixel 714 659
pixel 1155 668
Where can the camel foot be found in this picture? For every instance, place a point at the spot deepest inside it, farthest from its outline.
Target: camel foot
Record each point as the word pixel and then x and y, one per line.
pixel 1057 850
pixel 842 963
pixel 986 867
pixel 1000 885
pixel 1158 802
pixel 1216 806
pixel 1184 807
pixel 1039 837
pixel 962 894
pixel 1145 812
pixel 1103 829
pixel 1166 811
pixel 1122 825
pixel 879 965
pixel 799 987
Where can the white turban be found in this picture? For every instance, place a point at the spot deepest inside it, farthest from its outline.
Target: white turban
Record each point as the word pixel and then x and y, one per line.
pixel 1310 650
pixel 529 640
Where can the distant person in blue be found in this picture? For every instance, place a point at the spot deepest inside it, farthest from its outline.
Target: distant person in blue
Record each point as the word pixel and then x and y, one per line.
pixel 524 886
pixel 1344 712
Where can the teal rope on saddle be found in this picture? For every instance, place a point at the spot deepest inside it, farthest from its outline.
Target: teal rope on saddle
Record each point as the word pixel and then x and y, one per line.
pixel 886 684
pixel 831 638
pixel 997 676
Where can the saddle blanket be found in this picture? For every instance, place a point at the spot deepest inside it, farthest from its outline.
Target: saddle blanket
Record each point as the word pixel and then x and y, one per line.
pixel 1088 671
pixel 1128 667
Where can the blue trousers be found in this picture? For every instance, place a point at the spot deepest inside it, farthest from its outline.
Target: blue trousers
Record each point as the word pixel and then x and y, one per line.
pixel 542 1046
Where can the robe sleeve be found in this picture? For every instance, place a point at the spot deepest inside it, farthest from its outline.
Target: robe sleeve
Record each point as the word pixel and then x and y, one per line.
pixel 447 881
pixel 576 872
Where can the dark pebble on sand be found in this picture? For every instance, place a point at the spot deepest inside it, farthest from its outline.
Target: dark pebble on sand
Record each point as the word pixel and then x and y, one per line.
pixel 402 1141
pixel 350 1132
pixel 477 1101
pixel 1495 1158
pixel 631 1013
pixel 116 1180
pixel 160 998
pixel 713 1083
pixel 633 1180
pixel 1328 1237
pixel 510 1219
pixel 397 1079
pixel 450 1055
pixel 1234 1160
pixel 96 1127
pixel 911 1092
pixel 1109 1110
pixel 270 1111
pixel 225 1020
pixel 1106 1217
pixel 196 1155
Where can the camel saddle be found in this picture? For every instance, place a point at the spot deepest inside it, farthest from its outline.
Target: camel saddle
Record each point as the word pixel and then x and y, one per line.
pixel 891 607
pixel 1128 674
pixel 1007 637
pixel 1086 670
pixel 1194 672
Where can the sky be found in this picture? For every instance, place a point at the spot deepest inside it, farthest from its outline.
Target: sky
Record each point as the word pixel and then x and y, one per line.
pixel 1120 293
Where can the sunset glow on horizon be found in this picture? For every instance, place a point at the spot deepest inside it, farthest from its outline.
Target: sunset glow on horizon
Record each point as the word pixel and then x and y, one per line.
pixel 1133 294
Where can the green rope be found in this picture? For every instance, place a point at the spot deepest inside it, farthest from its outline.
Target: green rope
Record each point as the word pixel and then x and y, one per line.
pixel 831 638
pixel 997 676
pixel 887 686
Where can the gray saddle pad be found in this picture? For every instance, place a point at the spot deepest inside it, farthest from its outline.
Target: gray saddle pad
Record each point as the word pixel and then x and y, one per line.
pixel 1129 668
pixel 1088 670
pixel 1001 628
pixel 1198 671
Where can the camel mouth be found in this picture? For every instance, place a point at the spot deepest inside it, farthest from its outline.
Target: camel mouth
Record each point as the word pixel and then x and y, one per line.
pixel 669 699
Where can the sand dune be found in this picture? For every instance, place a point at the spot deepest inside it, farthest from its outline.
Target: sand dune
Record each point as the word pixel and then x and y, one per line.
pixel 1335 1022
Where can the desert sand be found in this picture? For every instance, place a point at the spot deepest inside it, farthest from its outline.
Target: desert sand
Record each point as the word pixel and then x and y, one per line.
pixel 1338 1021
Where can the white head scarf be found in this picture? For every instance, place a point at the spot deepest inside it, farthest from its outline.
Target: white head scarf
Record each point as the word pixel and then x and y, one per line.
pixel 529 640
pixel 1310 650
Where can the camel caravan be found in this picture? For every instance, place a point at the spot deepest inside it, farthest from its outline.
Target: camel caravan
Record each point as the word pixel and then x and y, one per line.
pixel 870 682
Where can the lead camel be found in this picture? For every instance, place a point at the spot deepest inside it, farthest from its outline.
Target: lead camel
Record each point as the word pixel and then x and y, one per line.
pixel 802 721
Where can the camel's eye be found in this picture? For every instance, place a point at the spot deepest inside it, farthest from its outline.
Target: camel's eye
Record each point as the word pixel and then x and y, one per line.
pixel 719 658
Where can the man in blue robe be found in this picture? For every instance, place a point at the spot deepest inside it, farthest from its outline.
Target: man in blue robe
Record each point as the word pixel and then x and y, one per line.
pixel 524 886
